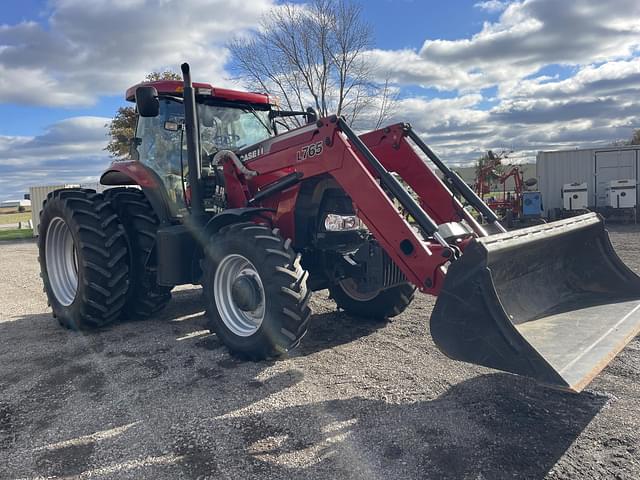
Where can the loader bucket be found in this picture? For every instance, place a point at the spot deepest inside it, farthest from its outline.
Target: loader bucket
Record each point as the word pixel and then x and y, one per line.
pixel 553 302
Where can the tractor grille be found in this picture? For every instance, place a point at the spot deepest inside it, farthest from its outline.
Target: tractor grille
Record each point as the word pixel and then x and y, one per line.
pixel 391 274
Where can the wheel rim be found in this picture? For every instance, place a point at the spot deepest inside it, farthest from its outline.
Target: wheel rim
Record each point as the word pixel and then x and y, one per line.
pixel 351 288
pixel 231 269
pixel 62 261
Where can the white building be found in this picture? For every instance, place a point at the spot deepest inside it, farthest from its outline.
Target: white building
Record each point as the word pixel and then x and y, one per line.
pixel 597 167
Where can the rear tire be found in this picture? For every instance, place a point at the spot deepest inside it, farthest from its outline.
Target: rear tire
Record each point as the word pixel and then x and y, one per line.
pixel 83 258
pixel 375 306
pixel 273 315
pixel 140 223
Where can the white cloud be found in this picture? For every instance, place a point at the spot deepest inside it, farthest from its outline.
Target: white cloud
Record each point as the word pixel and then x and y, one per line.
pixel 443 113
pixel 527 36
pixel 88 49
pixel 492 5
pixel 406 67
pixel 594 43
pixel 614 77
pixel 594 106
pixel 69 151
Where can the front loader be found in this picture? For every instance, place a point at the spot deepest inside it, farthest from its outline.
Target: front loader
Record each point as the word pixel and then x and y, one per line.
pixel 216 195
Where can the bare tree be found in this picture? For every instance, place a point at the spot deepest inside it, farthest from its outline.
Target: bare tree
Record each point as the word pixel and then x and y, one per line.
pixel 315 55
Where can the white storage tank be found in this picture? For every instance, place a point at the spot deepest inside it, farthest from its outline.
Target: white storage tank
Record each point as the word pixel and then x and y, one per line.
pixel 575 196
pixel 621 194
pixel 557 169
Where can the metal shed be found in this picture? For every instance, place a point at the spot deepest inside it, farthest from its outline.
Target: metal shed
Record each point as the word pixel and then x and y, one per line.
pixel 38 195
pixel 594 166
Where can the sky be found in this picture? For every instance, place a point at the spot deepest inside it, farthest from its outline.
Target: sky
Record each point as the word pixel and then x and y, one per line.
pixel 471 75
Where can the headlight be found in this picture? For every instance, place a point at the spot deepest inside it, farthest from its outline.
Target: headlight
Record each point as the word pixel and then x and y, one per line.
pixel 341 223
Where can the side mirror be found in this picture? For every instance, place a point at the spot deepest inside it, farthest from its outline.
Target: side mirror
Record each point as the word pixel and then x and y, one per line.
pixel 147 101
pixel 312 115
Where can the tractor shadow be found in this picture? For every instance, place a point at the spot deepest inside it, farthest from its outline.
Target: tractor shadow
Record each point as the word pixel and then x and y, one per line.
pixel 490 426
pixel 332 329
pixel 494 426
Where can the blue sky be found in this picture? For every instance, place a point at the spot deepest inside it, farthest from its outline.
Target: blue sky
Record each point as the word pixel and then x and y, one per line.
pixel 471 75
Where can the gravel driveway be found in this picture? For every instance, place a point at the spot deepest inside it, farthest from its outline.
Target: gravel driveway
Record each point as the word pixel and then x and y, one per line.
pixel 163 399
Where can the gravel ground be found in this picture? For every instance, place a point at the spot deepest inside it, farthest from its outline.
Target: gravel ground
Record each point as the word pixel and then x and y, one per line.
pixel 163 399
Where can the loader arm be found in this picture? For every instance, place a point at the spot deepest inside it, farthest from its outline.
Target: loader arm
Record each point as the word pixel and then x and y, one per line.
pixel 324 148
pixel 392 146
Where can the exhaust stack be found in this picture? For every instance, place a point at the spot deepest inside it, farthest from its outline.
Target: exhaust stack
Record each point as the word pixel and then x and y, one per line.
pixel 193 144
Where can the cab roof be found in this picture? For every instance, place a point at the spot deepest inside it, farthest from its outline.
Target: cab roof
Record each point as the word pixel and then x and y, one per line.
pixel 175 88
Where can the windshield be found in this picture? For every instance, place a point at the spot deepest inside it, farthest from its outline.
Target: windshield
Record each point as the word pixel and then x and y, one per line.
pixel 222 127
pixel 231 128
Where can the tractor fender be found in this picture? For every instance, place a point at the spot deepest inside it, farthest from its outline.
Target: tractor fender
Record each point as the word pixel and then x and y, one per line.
pixel 233 215
pixel 136 173
pixel 313 199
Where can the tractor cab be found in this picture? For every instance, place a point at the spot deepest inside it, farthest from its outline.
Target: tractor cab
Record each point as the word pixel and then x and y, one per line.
pixel 227 120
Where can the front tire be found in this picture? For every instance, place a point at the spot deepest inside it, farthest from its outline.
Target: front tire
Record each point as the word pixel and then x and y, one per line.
pixel 376 306
pixel 255 291
pixel 83 258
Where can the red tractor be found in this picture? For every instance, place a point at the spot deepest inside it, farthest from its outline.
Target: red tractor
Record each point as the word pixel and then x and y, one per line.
pixel 216 195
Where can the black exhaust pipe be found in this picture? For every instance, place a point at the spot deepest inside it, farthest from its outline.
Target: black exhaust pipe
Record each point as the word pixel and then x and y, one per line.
pixel 193 145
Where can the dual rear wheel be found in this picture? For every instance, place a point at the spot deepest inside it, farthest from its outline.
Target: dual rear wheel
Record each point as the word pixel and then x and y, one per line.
pixel 84 260
pixel 96 250
pixel 95 256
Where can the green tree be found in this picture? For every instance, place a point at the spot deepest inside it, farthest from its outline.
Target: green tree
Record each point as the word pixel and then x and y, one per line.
pixel 165 75
pixel 121 130
pixel 122 127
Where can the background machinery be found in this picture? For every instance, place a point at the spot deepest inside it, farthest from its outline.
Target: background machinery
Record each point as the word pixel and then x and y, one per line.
pixel 216 195
pixel 522 205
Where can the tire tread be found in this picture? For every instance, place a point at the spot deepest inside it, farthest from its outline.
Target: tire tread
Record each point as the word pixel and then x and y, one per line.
pixel 286 280
pixel 145 296
pixel 104 270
